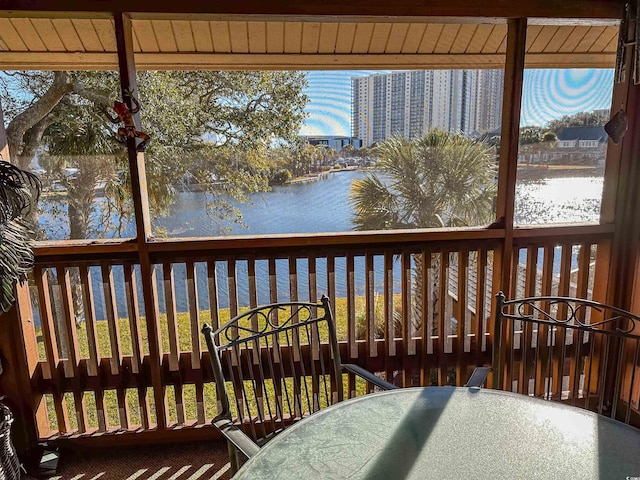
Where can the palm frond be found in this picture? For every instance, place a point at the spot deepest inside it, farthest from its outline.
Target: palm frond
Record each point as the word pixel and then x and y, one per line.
pixel 19 192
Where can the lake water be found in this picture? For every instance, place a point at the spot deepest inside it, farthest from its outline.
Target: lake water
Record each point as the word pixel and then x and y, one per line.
pixel 319 206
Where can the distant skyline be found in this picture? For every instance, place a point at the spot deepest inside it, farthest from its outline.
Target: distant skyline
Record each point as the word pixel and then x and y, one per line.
pixel 547 94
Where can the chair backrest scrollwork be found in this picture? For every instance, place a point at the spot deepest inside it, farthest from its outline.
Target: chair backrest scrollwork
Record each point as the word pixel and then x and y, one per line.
pixel 574 350
pixel 274 364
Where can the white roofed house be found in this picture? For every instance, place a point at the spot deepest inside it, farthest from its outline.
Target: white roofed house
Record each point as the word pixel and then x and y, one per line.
pixel 580 146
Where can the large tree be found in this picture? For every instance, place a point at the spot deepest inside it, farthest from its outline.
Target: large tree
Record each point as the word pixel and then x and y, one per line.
pixel 580 119
pixel 209 125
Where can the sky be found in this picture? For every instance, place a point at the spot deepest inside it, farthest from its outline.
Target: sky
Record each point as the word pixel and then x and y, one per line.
pixel 547 94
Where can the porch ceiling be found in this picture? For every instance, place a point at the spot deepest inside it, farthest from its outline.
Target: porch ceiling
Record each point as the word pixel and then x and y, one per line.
pixel 197 42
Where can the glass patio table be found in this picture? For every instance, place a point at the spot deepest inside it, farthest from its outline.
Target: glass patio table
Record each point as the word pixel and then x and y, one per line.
pixel 449 433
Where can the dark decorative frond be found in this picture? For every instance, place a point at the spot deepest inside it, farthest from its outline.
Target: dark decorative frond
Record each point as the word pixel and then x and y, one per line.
pixel 19 192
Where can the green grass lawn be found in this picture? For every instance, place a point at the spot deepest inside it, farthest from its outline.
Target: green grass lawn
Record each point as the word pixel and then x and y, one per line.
pixel 184 344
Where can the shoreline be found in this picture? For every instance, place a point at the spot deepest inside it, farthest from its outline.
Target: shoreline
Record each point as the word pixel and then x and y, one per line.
pixel 312 177
pixel 540 172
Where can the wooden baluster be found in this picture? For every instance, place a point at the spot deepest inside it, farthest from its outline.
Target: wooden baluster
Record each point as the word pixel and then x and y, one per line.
pixel 61 410
pixel 582 286
pixel 103 419
pixel 156 351
pixel 273 281
pixel 408 342
pixel 442 314
pixel 562 333
pixel 212 284
pixel 370 307
pixel 313 297
pixel 233 312
pixel 601 293
pixel 200 410
pixel 426 310
pixel 331 279
pixel 510 341
pixel 389 329
pixel 179 398
pixel 331 293
pixel 131 293
pixel 313 333
pixel 352 338
pixel 526 372
pixel 143 404
pixel 49 367
pixel 313 280
pixel 274 351
pixel 477 329
pixel 255 346
pixel 461 315
pixel 81 411
pixel 273 298
pixel 295 339
pixel 93 363
pixel 172 320
pixel 252 283
pixel 233 292
pixel 123 408
pixel 71 364
pixel 293 290
pixel 112 317
pixel 194 315
pixel 542 383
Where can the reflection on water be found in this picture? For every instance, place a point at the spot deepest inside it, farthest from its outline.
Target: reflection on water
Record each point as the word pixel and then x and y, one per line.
pixel 320 206
pixel 323 206
pixel 558 200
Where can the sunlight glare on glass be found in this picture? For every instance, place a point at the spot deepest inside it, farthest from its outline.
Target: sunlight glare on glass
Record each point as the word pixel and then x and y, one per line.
pixel 549 94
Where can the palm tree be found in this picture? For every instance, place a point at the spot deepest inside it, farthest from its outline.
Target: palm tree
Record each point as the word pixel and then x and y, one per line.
pixel 440 180
pixel 19 192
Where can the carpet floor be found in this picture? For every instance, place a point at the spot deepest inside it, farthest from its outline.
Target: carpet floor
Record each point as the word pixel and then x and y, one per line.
pixel 185 461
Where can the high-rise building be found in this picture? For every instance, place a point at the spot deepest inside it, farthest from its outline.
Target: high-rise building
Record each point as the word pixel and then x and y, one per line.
pixel 411 103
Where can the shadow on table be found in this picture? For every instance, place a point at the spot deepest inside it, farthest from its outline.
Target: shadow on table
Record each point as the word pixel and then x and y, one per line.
pixel 405 445
pixel 618 449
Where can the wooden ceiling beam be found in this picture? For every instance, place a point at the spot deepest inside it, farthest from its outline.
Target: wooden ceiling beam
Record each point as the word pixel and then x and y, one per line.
pixel 212 61
pixel 399 8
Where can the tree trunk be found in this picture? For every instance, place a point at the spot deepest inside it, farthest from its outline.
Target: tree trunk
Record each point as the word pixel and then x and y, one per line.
pixel 37 111
pixel 32 137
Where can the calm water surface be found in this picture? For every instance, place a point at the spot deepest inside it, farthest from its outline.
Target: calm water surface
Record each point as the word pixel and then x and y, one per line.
pixel 319 206
pixel 323 206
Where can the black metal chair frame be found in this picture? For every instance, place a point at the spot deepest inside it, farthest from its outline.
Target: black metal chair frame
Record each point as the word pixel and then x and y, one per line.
pixel 236 332
pixel 614 324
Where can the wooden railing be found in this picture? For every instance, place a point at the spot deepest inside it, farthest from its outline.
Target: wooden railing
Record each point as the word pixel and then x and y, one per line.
pixel 413 307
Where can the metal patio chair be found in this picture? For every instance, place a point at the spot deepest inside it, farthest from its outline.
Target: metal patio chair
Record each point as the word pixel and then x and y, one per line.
pixel 572 350
pixel 274 365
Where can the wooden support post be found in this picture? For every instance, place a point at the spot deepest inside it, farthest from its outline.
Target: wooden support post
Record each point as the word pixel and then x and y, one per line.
pixel 507 168
pixel 625 250
pixel 124 41
pixel 19 355
pixel 507 172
